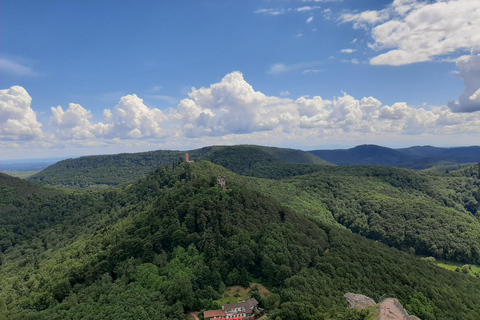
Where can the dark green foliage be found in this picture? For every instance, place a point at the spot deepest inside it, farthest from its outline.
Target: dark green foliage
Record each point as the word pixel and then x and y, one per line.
pixel 113 170
pixel 418 212
pixel 104 170
pixel 169 244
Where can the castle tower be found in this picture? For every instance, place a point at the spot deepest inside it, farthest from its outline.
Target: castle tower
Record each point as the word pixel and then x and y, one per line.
pixel 187 158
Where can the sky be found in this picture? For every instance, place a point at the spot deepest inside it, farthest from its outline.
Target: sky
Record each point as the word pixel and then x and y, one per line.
pixel 84 77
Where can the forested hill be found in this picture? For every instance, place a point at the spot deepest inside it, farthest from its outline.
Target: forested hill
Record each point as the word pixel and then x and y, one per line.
pixel 427 213
pixel 104 170
pixel 419 157
pixel 112 170
pixel 171 242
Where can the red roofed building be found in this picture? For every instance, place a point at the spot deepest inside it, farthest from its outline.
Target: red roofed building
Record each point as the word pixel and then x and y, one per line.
pixel 215 315
pixel 240 310
pixel 234 311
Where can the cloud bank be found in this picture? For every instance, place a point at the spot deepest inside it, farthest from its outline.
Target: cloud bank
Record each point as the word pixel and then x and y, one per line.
pixel 469 67
pixel 415 31
pixel 231 111
pixel 18 121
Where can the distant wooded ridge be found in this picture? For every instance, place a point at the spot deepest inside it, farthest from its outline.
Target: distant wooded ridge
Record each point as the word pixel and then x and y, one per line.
pixel 416 157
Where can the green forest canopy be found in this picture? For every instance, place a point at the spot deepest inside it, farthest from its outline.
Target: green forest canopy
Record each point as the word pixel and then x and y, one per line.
pixel 172 241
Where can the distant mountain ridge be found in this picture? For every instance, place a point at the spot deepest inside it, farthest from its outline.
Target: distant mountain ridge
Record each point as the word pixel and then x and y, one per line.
pixel 111 170
pixel 417 157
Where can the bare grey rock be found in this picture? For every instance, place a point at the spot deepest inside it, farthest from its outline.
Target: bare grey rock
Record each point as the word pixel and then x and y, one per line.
pixel 392 309
pixel 359 301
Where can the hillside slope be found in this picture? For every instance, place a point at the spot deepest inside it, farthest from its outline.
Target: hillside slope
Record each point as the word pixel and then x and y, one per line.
pixel 171 242
pixel 112 170
pixel 427 213
pixel 104 170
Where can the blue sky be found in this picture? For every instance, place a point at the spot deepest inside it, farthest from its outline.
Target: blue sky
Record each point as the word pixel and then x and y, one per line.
pixel 95 77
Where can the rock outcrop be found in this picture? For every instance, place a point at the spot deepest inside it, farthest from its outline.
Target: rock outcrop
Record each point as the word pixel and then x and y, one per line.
pixel 392 309
pixel 359 301
pixel 389 309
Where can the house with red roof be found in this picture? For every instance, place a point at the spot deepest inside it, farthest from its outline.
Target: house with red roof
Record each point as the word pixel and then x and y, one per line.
pixel 233 311
pixel 215 315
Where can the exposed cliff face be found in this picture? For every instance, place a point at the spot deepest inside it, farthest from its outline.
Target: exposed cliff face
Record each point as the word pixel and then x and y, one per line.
pixel 392 309
pixel 359 301
pixel 389 309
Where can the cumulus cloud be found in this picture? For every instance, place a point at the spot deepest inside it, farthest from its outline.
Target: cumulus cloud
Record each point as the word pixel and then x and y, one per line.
pixel 469 71
pixel 231 111
pixel 416 31
pixel 131 118
pixel 347 115
pixel 233 107
pixel 230 106
pixel 74 123
pixel 17 119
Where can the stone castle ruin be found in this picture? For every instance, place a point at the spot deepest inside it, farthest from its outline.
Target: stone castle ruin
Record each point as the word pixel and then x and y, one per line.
pixel 222 182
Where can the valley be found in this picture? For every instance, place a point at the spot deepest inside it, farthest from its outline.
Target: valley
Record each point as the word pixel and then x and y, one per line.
pixel 149 236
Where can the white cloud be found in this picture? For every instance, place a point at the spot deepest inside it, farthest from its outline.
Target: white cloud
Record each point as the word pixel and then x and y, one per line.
pixel 273 12
pixel 231 111
pixel 233 107
pixel 469 71
pixel 279 68
pixel 348 50
pixel 17 119
pixel 12 67
pixel 416 31
pixel 74 123
pixel 309 19
pixel 230 106
pixel 475 96
pixel 363 19
pixel 354 61
pixel 131 118
pixel 307 8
